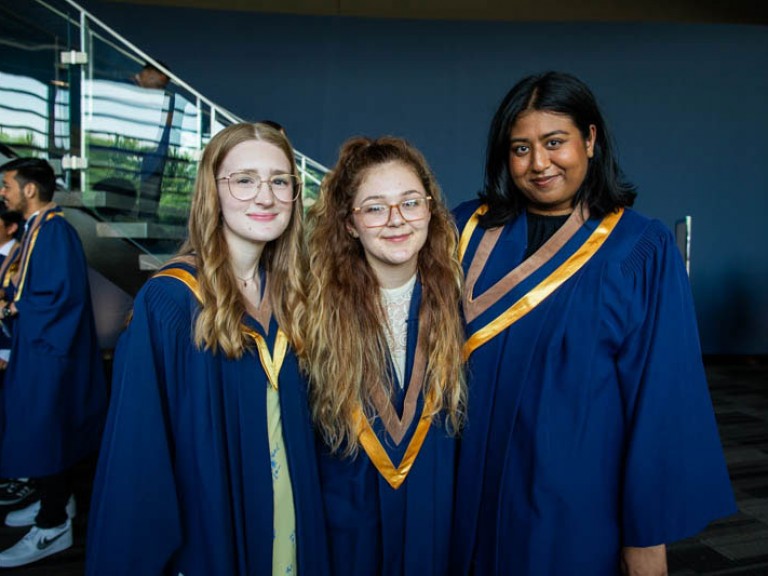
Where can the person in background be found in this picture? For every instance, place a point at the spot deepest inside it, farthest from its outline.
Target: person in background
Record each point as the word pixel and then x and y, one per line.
pixel 150 76
pixel 53 394
pixel 591 442
pixel 208 463
pixel 10 226
pixel 383 344
pixel 153 161
pixel 276 125
pixel 13 491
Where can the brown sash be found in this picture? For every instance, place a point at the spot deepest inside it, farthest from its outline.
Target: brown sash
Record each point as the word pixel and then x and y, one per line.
pixel 397 427
pixel 9 265
pixel 46 212
pixel 538 293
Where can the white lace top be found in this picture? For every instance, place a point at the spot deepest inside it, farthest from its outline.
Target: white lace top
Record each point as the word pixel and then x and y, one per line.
pixel 396 302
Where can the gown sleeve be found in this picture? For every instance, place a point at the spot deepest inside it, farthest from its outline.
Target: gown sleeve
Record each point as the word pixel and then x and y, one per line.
pixel 55 292
pixel 134 525
pixel 675 477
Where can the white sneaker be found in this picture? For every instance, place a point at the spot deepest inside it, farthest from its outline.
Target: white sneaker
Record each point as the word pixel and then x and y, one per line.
pixel 37 544
pixel 26 516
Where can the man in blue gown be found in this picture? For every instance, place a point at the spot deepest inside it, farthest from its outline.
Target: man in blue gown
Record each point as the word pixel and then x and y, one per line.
pixel 54 394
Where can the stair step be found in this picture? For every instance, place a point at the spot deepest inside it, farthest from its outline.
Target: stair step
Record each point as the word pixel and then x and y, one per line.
pixel 153 261
pixel 140 230
pixel 68 199
pixel 113 200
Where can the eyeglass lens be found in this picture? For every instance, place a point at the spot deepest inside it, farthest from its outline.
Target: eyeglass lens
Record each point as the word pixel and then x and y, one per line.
pixel 246 185
pixel 412 209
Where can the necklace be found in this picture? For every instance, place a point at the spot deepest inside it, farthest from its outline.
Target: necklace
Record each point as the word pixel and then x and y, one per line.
pixel 246 280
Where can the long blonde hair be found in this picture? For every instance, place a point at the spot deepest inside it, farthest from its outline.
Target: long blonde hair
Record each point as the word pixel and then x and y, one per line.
pixel 223 306
pixel 346 353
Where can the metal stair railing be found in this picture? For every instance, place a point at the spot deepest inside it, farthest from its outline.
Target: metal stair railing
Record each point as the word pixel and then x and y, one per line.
pixel 127 153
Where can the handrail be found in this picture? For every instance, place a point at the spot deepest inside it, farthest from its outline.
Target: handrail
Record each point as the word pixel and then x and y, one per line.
pixel 148 59
pixel 176 79
pixel 129 152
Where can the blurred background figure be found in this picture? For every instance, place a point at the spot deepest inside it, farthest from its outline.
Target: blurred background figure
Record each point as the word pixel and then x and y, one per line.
pixel 53 394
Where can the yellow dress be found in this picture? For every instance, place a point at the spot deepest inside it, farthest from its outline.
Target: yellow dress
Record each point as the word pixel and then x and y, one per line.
pixel 284 538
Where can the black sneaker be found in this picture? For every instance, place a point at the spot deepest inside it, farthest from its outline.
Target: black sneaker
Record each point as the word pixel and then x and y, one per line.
pixel 16 491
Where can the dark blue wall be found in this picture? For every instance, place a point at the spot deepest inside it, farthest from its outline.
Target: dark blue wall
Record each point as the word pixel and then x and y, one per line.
pixel 687 105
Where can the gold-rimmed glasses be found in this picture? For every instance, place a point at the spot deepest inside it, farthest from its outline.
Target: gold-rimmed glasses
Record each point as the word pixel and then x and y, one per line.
pixel 247 185
pixel 377 214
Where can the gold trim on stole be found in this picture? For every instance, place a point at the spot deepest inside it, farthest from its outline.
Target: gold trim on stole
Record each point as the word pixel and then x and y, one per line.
pixel 378 455
pixel 540 292
pixel 271 364
pixel 10 264
pixel 469 229
pixel 185 277
pixel 26 255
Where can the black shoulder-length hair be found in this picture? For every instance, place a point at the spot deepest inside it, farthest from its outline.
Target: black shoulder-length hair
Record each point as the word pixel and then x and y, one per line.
pixel 604 188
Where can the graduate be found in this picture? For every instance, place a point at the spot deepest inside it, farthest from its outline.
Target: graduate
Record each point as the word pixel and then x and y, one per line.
pixel 10 224
pixel 383 352
pixel 591 441
pixel 208 462
pixel 54 393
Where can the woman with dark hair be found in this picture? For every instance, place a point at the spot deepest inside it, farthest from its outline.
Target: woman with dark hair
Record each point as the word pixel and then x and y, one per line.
pixel 383 350
pixel 208 461
pixel 591 440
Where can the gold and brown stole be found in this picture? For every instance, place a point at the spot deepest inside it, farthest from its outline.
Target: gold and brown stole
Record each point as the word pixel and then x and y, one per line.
pixel 475 305
pixel 10 265
pixel 28 241
pixel 271 362
pixel 396 427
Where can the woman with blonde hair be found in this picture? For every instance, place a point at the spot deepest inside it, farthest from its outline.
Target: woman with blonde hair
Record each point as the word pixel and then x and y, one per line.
pixel 208 463
pixel 383 350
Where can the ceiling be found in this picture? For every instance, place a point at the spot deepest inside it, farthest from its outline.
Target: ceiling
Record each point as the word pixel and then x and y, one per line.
pixel 714 11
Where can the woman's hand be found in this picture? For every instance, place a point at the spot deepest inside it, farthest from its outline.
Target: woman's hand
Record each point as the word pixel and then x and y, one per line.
pixel 651 561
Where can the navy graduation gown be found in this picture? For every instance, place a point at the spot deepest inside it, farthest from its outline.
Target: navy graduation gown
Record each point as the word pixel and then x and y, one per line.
pixel 184 484
pixel 376 530
pixel 54 393
pixel 590 426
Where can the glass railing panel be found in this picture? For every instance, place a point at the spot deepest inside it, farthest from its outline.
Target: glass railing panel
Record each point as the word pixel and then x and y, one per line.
pixel 35 112
pixel 135 143
pixel 143 136
pixel 182 140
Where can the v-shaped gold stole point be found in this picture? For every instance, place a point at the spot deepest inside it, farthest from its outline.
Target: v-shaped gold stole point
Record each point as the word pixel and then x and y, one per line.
pixel 546 287
pixel 271 364
pixel 378 455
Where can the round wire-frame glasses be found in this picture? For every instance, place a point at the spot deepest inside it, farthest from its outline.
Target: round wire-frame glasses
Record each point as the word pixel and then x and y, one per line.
pixel 247 185
pixel 378 214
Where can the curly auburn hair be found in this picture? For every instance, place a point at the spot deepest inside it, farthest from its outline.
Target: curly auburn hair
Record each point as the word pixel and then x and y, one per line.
pixel 346 350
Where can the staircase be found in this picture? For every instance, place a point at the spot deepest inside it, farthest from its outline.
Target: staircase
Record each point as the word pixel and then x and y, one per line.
pixel 125 149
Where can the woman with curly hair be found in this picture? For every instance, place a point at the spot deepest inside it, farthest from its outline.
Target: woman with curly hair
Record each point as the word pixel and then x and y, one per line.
pixel 383 350
pixel 208 461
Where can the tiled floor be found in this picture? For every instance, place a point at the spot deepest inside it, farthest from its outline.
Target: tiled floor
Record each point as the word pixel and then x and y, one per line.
pixel 736 546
